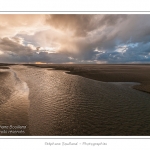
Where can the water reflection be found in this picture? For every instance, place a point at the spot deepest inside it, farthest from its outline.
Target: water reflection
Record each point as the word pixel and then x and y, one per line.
pixel 15 104
pixel 63 104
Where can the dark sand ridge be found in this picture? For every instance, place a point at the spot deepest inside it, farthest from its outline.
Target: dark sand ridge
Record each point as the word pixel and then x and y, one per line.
pixel 3 67
pixel 108 73
pixel 13 102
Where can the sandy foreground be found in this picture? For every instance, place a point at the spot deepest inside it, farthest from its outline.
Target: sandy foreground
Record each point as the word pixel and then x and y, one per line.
pixel 14 104
pixel 37 100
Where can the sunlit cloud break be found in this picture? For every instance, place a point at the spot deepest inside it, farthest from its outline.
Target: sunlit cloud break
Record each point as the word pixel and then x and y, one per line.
pixel 68 38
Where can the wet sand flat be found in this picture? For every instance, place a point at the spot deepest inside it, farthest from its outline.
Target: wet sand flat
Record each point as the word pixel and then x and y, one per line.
pixel 53 102
pixel 14 104
pixel 109 73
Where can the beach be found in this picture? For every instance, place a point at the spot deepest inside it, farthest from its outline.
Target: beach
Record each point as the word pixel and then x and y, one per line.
pixel 14 103
pixel 109 73
pixel 75 99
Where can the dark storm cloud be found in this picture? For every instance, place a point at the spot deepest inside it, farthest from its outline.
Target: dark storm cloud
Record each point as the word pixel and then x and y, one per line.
pixel 76 38
pixel 82 24
pixel 14 45
pixel 12 49
pixel 35 57
pixel 134 29
pixel 89 32
pixel 139 53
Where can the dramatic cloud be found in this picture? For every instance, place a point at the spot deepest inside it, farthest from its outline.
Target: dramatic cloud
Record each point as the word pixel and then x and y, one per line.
pixel 81 25
pixel 95 38
pixel 15 45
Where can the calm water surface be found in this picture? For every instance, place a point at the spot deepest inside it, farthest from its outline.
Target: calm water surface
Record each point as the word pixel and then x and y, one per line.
pixel 64 104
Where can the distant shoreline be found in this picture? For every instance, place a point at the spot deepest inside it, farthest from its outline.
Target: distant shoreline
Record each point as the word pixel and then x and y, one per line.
pixel 104 72
pixel 47 101
pixel 108 72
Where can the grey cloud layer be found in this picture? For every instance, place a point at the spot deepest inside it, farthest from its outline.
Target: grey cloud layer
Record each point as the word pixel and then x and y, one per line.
pixel 82 24
pixel 14 45
pixel 95 38
pixel 14 51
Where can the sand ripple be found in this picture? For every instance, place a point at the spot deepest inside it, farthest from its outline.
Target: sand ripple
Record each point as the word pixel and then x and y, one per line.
pixel 14 102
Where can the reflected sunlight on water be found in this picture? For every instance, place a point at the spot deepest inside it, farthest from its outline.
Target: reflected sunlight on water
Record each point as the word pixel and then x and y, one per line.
pixel 15 106
pixel 63 104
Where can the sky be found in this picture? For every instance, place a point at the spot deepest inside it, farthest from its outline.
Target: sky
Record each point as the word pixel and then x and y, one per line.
pixel 75 38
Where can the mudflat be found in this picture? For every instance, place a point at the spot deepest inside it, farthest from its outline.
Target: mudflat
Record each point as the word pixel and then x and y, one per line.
pixel 108 73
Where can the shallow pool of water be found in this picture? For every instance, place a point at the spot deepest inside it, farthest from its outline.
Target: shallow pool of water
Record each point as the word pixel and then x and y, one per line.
pixel 64 104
